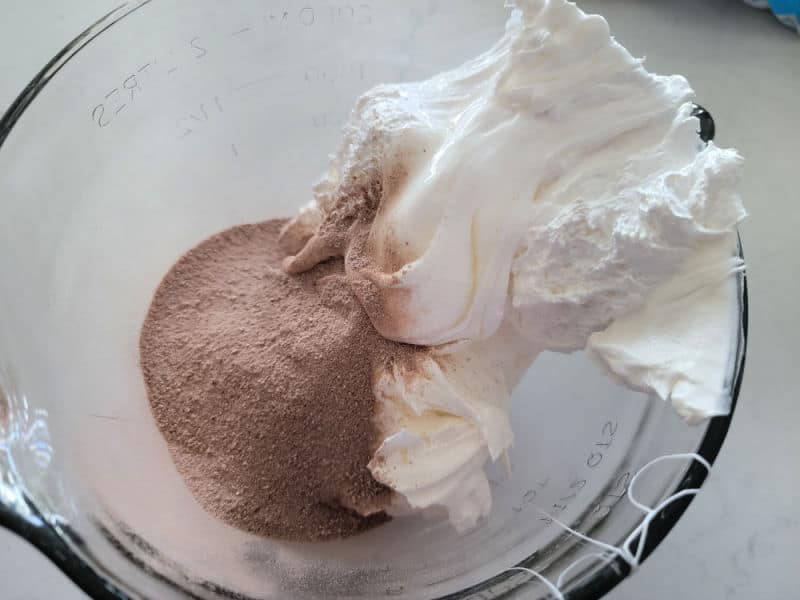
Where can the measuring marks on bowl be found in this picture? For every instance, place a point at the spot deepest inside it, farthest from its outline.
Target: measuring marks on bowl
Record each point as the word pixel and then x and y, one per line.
pixel 558 494
pixel 133 84
pixel 118 98
pixel 236 52
pixel 631 550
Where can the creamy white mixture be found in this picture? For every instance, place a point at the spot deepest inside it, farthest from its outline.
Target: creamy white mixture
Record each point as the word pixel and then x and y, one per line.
pixel 550 194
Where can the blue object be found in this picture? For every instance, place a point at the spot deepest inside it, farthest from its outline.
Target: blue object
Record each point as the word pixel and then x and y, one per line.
pixel 787 11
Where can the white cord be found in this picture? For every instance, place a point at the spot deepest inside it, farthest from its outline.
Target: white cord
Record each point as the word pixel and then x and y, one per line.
pixel 655 461
pixel 641 531
pixel 550 586
pixel 580 561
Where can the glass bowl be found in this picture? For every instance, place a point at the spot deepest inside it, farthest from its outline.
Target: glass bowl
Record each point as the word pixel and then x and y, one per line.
pixel 165 122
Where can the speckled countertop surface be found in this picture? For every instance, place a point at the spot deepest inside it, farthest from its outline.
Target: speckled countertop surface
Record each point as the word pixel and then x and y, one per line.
pixel 740 538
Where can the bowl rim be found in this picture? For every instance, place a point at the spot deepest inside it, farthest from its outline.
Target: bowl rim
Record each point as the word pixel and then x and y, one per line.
pixel 64 547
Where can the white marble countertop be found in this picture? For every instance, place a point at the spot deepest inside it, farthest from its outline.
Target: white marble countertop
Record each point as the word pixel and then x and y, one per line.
pixel 740 537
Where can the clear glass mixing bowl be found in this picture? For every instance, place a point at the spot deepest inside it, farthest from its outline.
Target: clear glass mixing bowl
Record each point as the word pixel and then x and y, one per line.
pixel 163 123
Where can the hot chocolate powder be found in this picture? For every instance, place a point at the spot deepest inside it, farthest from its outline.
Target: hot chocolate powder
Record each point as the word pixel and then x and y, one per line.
pixel 260 382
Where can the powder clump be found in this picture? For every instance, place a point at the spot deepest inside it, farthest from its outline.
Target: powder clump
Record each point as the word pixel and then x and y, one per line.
pixel 261 383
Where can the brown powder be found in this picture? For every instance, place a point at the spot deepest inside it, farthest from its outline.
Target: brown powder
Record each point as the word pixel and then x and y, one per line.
pixel 343 230
pixel 345 221
pixel 261 383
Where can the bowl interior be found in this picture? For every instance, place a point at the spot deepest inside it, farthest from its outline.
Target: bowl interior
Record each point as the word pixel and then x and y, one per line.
pixel 182 119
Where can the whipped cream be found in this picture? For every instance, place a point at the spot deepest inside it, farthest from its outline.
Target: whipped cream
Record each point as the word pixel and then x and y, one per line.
pixel 547 195
pixel 444 417
pixel 675 346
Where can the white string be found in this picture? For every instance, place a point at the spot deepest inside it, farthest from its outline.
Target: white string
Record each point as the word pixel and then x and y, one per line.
pixel 645 525
pixel 550 586
pixel 580 561
pixel 655 461
pixel 585 538
pixel 641 531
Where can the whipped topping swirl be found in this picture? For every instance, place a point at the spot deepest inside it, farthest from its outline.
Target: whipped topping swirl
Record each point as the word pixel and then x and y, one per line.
pixel 542 193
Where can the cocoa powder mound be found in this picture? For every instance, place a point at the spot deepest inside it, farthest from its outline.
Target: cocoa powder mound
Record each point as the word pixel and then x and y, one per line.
pixel 261 383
